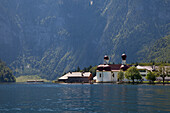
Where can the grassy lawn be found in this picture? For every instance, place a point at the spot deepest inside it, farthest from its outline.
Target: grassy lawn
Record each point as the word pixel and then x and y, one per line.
pixel 146 82
pixel 29 77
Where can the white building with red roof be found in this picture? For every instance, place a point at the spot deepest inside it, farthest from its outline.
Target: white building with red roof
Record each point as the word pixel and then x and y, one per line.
pixel 108 72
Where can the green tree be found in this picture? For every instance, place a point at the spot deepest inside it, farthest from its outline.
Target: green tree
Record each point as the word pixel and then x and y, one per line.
pixel 78 69
pixel 132 73
pixel 93 71
pixel 6 73
pixel 89 68
pixel 151 76
pixel 85 69
pixel 120 75
pixel 168 71
pixel 163 72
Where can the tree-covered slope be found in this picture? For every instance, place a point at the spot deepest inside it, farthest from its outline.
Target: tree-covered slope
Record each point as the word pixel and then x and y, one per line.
pixel 50 37
pixel 6 73
pixel 158 51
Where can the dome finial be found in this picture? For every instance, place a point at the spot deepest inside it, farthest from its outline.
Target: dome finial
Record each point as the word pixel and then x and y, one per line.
pixel 124 56
pixel 106 59
pixel 124 59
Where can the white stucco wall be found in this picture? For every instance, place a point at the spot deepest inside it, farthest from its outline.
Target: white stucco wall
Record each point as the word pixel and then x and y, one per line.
pixel 106 76
pixel 115 76
pixel 99 78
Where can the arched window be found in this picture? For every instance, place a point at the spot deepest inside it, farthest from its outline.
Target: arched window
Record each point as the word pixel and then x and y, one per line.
pixel 100 75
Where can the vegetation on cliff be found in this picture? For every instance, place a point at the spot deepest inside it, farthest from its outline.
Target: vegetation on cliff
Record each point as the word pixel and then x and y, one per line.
pixel 159 51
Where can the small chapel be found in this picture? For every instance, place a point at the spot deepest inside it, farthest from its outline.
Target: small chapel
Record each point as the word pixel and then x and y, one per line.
pixel 108 72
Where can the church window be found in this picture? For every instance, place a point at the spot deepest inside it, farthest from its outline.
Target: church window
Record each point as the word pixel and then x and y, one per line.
pixel 113 75
pixel 100 75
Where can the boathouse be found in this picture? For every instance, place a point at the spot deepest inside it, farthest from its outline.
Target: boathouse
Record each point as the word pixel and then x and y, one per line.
pixel 76 77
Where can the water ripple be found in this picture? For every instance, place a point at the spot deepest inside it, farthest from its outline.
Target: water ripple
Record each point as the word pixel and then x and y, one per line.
pixel 93 98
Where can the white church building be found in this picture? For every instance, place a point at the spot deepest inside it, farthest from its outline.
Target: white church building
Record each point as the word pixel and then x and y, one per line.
pixel 108 72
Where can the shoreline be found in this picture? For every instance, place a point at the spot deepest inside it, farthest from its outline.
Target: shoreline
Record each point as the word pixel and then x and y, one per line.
pixel 135 83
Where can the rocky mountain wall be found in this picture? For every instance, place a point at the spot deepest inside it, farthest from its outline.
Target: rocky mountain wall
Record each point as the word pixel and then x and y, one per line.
pixel 50 37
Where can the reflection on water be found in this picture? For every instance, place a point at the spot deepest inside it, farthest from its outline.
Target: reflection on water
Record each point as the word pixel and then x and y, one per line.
pixel 83 98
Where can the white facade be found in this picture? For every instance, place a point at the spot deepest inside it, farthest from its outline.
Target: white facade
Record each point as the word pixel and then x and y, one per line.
pixel 106 76
pixel 144 71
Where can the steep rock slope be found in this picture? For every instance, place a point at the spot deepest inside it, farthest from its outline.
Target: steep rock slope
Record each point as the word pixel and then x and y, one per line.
pixel 49 37
pixel 132 24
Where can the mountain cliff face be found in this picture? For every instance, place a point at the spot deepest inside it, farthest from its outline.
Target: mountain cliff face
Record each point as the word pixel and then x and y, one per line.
pixel 49 37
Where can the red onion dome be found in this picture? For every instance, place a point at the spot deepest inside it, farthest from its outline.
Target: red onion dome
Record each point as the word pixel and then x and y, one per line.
pixel 124 56
pixel 106 57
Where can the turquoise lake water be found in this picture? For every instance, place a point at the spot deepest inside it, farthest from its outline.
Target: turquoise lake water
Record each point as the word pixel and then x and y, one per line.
pixel 83 98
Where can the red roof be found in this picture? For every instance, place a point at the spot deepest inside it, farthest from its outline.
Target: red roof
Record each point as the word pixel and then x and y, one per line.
pixel 104 67
pixel 124 67
pixel 112 67
pixel 115 66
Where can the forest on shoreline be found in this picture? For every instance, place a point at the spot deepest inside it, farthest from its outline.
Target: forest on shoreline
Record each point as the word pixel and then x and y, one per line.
pixel 6 74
